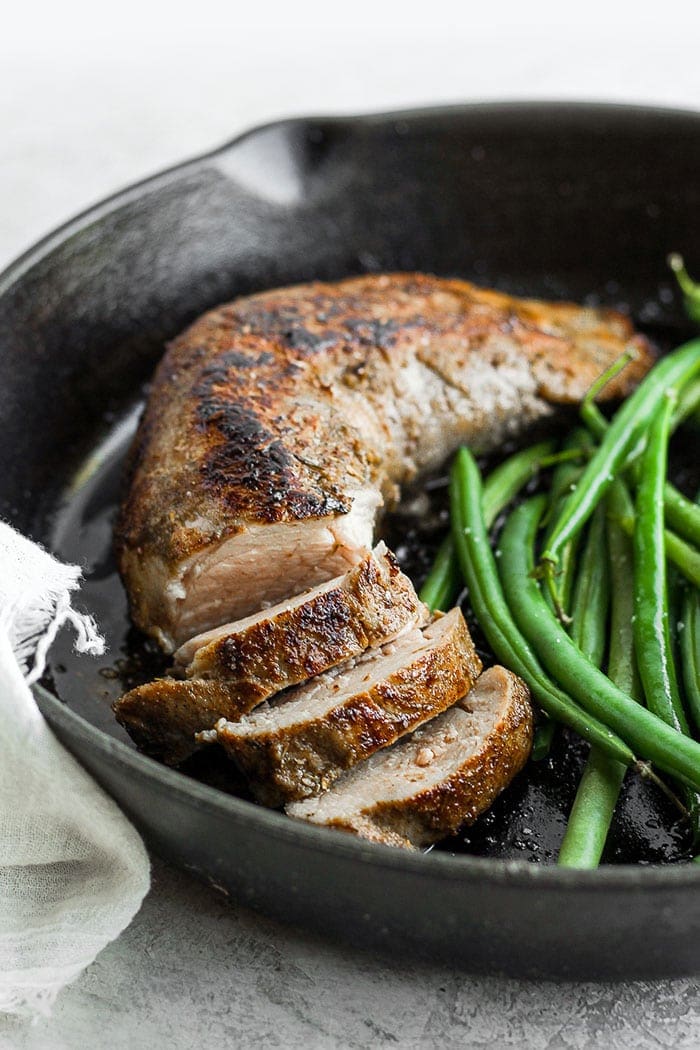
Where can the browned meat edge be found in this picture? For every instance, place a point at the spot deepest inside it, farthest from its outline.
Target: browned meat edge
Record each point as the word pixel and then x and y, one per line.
pixel 163 716
pixel 462 795
pixel 371 604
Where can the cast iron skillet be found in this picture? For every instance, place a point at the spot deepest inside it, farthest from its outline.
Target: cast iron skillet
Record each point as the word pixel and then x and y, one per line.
pixel 575 201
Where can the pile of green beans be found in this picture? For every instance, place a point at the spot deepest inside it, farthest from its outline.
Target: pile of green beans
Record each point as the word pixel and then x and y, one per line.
pixel 443 581
pixel 573 593
pixel 478 566
pixel 619 440
pixel 646 733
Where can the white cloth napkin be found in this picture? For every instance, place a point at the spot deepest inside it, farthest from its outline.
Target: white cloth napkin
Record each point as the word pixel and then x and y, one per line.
pixel 73 871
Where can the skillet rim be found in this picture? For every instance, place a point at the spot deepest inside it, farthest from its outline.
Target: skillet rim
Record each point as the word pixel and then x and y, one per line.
pixel 440 863
pixel 436 864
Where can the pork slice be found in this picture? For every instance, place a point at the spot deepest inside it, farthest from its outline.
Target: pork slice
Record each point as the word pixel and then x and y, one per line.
pixel 441 776
pixel 268 562
pixel 307 635
pixel 300 743
pixel 163 716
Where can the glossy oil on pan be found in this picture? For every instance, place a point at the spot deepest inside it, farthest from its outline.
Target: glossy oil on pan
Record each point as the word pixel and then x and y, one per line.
pixel 556 200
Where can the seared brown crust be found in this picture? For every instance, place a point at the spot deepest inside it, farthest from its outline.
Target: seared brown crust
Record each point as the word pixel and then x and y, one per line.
pixel 372 603
pixel 302 759
pixel 472 789
pixel 431 813
pixel 281 407
pixel 163 716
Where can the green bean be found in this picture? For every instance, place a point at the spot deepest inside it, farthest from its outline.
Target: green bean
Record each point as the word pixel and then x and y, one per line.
pixel 593 807
pixel 567 472
pixel 506 480
pixel 563 480
pixel 592 812
pixel 478 567
pixel 644 733
pixel 592 592
pixel 689 647
pixel 675 587
pixel 678 510
pixel 593 418
pixel 622 663
pixel 689 287
pixel 651 630
pixel 681 513
pixel 441 586
pixel 684 557
pixel 542 741
pixel 689 638
pixel 589 411
pixel 442 582
pixel 618 440
pixel 688 405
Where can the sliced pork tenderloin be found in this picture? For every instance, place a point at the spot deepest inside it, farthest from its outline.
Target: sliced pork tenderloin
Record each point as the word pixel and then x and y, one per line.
pixel 440 777
pixel 300 743
pixel 282 646
pixel 304 636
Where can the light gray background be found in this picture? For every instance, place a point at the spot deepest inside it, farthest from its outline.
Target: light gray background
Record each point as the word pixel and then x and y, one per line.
pixel 95 96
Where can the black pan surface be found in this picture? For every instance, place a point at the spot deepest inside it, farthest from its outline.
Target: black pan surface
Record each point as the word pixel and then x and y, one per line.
pixel 580 202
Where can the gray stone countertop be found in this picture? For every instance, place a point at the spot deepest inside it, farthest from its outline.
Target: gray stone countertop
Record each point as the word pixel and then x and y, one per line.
pixel 91 100
pixel 195 971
